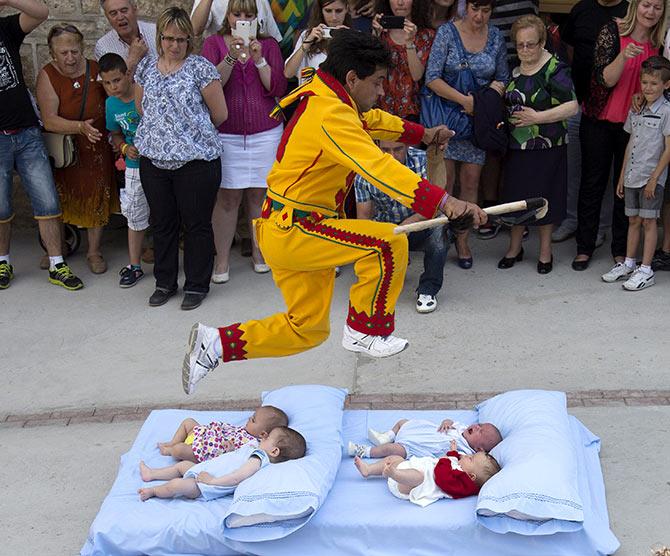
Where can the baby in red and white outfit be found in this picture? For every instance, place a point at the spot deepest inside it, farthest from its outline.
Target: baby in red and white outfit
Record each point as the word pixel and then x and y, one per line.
pixel 195 442
pixel 424 480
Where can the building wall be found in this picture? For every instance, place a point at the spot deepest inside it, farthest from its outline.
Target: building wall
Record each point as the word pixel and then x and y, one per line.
pixel 88 17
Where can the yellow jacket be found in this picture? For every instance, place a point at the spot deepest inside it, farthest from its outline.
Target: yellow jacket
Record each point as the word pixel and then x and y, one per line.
pixel 328 141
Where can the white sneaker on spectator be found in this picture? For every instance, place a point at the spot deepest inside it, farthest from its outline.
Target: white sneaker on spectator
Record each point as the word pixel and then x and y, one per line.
pixel 638 281
pixel 378 438
pixel 618 271
pixel 374 346
pixel 201 356
pixel 426 303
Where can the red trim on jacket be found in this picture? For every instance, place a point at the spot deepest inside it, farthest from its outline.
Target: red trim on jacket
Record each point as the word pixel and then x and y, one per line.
pixel 412 133
pixel 336 86
pixel 427 199
pixel 302 106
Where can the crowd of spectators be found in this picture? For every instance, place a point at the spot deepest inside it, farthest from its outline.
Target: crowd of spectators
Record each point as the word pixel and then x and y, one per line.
pixel 192 129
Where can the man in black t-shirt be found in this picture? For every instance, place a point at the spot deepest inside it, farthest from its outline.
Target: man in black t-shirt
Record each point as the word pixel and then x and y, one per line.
pixel 580 31
pixel 22 148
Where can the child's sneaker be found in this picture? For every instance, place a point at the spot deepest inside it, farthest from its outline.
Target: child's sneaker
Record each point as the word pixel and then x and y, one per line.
pixel 130 276
pixel 378 438
pixel 618 271
pixel 63 276
pixel 201 356
pixel 6 274
pixel 638 281
pixel 360 450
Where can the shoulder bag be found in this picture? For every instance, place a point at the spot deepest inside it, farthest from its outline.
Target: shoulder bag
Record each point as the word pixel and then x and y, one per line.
pixel 436 110
pixel 60 146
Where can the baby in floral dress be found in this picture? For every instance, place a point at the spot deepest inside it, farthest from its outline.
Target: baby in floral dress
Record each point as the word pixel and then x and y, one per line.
pixel 195 442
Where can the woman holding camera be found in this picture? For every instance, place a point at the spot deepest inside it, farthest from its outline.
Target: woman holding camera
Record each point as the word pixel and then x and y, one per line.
pixel 310 50
pixel 252 73
pixel 409 36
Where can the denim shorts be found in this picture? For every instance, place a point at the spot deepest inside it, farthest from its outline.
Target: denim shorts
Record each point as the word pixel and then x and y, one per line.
pixel 637 205
pixel 25 152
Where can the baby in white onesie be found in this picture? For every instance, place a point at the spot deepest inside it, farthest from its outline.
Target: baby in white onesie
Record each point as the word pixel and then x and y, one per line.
pixel 421 438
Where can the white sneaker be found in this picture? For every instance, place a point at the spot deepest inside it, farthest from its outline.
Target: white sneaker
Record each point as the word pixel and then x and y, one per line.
pixel 374 346
pixel 201 356
pixel 618 271
pixel 359 450
pixel 638 281
pixel 378 438
pixel 426 303
pixel 221 278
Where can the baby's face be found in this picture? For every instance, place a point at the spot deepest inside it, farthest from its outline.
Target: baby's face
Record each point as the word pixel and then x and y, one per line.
pixel 482 436
pixel 256 425
pixel 475 463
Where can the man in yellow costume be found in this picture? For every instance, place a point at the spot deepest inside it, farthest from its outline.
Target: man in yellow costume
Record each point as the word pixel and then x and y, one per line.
pixel 302 231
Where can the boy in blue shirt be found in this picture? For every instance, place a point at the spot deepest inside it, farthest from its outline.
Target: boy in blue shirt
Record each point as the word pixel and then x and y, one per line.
pixel 122 121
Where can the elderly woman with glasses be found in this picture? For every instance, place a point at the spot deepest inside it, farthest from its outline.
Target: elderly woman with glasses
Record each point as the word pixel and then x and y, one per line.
pixel 72 101
pixel 540 98
pixel 181 100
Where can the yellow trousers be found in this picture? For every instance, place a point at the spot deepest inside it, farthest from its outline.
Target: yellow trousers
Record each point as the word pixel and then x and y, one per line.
pixel 302 252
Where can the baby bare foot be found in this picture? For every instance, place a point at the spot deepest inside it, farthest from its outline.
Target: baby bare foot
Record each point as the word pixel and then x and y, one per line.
pixel 146 493
pixel 165 448
pixel 361 466
pixel 146 472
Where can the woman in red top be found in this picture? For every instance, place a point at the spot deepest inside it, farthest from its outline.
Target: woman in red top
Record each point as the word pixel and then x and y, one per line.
pixel 620 49
pixel 410 47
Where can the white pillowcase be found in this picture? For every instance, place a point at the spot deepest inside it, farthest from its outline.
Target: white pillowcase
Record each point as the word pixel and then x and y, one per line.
pixel 281 498
pixel 536 491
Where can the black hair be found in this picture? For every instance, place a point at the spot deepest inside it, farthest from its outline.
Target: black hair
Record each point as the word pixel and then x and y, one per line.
pixel 111 62
pixel 290 442
pixel 420 15
pixel 658 64
pixel 354 50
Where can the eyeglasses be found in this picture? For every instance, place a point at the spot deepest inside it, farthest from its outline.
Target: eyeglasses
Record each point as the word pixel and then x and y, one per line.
pixel 527 45
pixel 179 40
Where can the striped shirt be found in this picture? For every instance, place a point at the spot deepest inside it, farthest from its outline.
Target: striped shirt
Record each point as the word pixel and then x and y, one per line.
pixel 507 12
pixel 386 209
pixel 112 42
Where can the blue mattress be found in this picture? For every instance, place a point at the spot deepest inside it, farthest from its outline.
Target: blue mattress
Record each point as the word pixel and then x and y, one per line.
pixel 359 517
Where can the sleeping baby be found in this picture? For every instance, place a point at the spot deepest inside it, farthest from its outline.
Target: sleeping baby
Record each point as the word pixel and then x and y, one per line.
pixel 424 480
pixel 220 476
pixel 421 438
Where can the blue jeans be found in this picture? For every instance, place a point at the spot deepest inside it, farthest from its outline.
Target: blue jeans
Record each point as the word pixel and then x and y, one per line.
pixel 25 152
pixel 434 243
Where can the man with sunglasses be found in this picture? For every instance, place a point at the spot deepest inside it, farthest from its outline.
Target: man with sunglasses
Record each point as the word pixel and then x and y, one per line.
pixel 130 38
pixel 22 148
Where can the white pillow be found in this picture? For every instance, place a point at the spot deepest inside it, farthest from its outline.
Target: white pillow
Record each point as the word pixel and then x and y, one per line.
pixel 282 497
pixel 536 491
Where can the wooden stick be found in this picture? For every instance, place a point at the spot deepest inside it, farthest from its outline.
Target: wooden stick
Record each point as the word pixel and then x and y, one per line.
pixel 528 204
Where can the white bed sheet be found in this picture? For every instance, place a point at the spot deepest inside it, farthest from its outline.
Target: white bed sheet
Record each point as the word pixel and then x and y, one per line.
pixel 359 517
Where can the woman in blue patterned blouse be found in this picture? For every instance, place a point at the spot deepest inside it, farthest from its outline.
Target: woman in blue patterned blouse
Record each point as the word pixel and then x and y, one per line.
pixel 181 100
pixel 486 56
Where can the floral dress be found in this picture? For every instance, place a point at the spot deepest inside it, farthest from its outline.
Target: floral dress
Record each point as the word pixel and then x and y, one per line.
pixel 401 92
pixel 487 65
pixel 537 157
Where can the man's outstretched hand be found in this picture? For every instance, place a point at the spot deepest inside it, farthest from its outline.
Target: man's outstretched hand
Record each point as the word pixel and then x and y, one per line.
pixel 438 135
pixel 462 214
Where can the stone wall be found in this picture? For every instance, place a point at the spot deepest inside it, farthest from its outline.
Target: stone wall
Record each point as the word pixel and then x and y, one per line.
pixel 89 19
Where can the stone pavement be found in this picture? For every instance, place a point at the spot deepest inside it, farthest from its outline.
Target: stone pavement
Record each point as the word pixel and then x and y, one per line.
pixel 82 369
